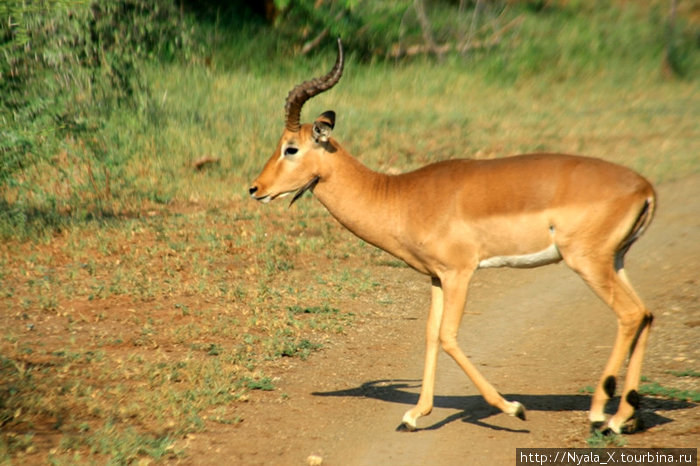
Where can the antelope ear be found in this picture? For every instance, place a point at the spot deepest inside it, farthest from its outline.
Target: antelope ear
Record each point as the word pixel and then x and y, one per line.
pixel 323 126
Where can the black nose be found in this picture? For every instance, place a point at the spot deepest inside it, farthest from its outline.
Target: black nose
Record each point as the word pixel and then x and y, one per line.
pixel 253 190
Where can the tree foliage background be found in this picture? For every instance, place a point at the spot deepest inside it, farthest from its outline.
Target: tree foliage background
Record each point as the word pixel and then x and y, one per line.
pixel 65 66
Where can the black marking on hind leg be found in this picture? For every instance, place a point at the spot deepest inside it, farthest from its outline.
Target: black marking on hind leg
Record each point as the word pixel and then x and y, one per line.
pixel 633 399
pixel 646 322
pixel 609 386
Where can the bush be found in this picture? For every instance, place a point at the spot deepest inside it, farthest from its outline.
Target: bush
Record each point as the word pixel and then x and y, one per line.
pixel 65 66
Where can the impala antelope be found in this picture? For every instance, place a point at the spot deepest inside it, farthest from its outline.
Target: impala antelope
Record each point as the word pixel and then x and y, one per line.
pixel 448 219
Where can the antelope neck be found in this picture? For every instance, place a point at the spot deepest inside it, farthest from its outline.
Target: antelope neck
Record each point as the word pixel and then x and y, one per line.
pixel 360 199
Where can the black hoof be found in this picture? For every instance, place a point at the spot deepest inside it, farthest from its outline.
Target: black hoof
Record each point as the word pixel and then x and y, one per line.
pixel 520 413
pixel 404 427
pixel 633 424
pixel 597 426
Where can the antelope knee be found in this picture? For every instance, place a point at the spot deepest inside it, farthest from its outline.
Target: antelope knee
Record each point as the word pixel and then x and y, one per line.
pixel 449 344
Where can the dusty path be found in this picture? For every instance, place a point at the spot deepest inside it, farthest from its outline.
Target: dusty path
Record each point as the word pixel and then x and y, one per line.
pixel 539 336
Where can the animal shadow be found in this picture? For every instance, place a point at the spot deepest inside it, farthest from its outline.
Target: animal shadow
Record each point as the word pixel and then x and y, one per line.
pixel 474 410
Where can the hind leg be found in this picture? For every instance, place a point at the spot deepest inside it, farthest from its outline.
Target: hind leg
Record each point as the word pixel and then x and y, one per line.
pixel 630 395
pixel 634 321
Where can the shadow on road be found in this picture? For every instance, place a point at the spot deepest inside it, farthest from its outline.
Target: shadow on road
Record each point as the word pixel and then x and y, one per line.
pixel 473 408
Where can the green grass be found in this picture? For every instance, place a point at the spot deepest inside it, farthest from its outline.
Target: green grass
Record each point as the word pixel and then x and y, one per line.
pixel 162 324
pixel 605 440
pixel 686 373
pixel 656 389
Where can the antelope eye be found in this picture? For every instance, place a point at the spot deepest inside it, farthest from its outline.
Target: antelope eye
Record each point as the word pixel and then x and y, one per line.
pixel 291 150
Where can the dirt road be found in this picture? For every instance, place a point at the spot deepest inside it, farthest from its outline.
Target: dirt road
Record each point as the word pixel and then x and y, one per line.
pixel 540 336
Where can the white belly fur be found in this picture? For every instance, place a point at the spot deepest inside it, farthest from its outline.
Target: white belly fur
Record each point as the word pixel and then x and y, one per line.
pixel 544 257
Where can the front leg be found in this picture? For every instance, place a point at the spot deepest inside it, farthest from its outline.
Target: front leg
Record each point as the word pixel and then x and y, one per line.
pixel 455 296
pixel 432 346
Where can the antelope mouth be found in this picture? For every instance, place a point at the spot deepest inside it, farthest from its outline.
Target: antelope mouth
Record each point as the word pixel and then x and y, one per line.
pixel 263 199
pixel 271 197
pixel 297 192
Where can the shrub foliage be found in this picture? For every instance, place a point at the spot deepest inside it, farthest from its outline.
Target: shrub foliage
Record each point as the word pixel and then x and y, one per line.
pixel 65 66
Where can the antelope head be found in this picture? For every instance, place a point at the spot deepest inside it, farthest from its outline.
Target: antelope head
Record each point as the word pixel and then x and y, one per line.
pixel 295 165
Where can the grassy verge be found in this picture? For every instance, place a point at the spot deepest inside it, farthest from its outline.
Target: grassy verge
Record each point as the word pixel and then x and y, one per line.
pixel 120 340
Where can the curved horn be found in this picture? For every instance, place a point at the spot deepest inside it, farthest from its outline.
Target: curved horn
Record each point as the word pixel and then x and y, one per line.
pixel 303 92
